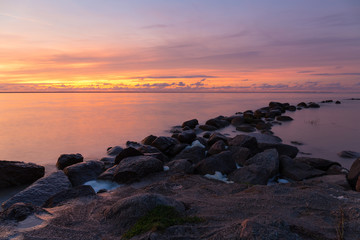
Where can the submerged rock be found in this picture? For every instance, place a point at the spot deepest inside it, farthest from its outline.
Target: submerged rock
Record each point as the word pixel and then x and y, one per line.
pixel 284 118
pixel 245 128
pixel 14 173
pixel 349 154
pixel 66 160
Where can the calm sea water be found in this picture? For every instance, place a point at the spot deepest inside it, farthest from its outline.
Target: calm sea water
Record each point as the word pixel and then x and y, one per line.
pixel 38 127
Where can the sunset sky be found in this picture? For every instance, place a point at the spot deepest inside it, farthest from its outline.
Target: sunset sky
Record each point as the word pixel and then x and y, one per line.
pixel 163 45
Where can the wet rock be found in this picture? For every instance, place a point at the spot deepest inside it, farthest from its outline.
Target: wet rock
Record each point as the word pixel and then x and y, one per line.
pixel 207 127
pixel 127 152
pixel 263 126
pixel 339 180
pixel 318 163
pixel 265 138
pixel 62 197
pixel 108 174
pixel 164 144
pixel 181 166
pixel 20 211
pixel 187 136
pixel 82 172
pixel 336 170
pixel 284 118
pixel 268 160
pixel 113 151
pixel 296 170
pixel 193 154
pixel 202 141
pixel 237 121
pixel 354 173
pixel 218 122
pixel 176 149
pixel 337 102
pixel 127 211
pixel 133 144
pixel 14 173
pixel 159 155
pixel 221 162
pixel 68 159
pixel 207 135
pixel 245 128
pixel 240 154
pixel 216 137
pixel 244 141
pixel 134 168
pixel 283 149
pixel 291 108
pixel 148 140
pixel 253 174
pixel 41 190
pixel 357 186
pixel 273 113
pixel 349 154
pixel 313 105
pixel 191 123
pixel 217 147
pixel 302 104
pixel 108 162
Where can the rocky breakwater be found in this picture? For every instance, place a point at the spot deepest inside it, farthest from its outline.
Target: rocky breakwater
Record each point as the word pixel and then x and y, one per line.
pixel 265 190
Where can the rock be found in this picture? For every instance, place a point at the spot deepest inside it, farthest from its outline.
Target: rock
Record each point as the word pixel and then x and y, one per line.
pixel 41 190
pixel 127 211
pixel 20 211
pixel 108 162
pixel 147 149
pixel 176 129
pixel 313 105
pixel 127 152
pixel 291 108
pixel 133 168
pixel 68 160
pixel 245 128
pixel 221 162
pixel 217 147
pixel 177 148
pixel 263 126
pixel 339 180
pixel 302 104
pixel 193 154
pixel 207 127
pixel 357 186
pixel 252 174
pixel 83 172
pixel 133 144
pixel 186 128
pixel 317 163
pixel 265 138
pixel 159 155
pixel 187 136
pixel 336 170
pixel 218 122
pixel 240 154
pixel 108 174
pixel 164 144
pixel 268 160
pixel 202 141
pixel 190 123
pixel 284 118
pixel 216 137
pixel 283 149
pixel 296 170
pixel 337 102
pixel 207 135
pixel 113 151
pixel 349 154
pixel 354 173
pixel 237 121
pixel 148 140
pixel 181 166
pixel 61 197
pixel 244 141
pixel 14 173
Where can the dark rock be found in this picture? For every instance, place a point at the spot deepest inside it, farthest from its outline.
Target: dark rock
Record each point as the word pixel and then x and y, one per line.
pixel 187 136
pixel 284 118
pixel 275 105
pixel 237 121
pixel 207 127
pixel 337 102
pixel 41 190
pixel 108 162
pixel 291 108
pixel 218 122
pixel 216 137
pixel 253 174
pixel 14 173
pixel 273 113
pixel 80 173
pixel 148 140
pixel 133 168
pixel 245 128
pixel 176 129
pixel 191 123
pixel 263 126
pixel 268 160
pixel 313 105
pixel 336 170
pixel 207 135
pixel 217 147
pixel 133 144
pixel 112 151
pixel 244 141
pixel 164 144
pixel 147 149
pixel 265 138
pixel 186 128
pixel 127 152
pixel 296 170
pixel 202 140
pixel 349 154
pixel 296 143
pixel 302 104
pixel 221 162
pixel 193 154
pixel 240 154
pixel 127 211
pixel 177 148
pixel 20 211
pixel 317 163
pixel 283 149
pixel 68 160
pixel 354 173
pixel 61 197
pixel 357 186
pixel 108 174
pixel 159 155
pixel 181 166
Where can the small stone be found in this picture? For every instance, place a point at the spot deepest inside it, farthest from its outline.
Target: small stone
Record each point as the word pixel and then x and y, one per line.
pixel 284 118
pixel 191 123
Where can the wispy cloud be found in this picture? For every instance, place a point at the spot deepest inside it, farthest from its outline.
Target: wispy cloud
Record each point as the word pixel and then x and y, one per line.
pixel 173 76
pixel 335 74
pixel 32 20
pixel 305 71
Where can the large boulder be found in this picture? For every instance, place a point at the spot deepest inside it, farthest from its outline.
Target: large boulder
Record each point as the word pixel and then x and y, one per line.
pixel 221 162
pixel 133 168
pixel 240 154
pixel 113 151
pixel 265 138
pixel 82 172
pixel 269 160
pixel 216 136
pixel 218 122
pixel 127 152
pixel 127 211
pixel 41 190
pixel 297 170
pixel 164 144
pixel 66 160
pixel 61 197
pixel 14 173
pixel 217 147
pixel 244 141
pixel 283 149
pixel 253 174
pixel 191 123
pixel 193 154
pixel 181 166
pixel 318 163
pixel 187 136
pixel 108 174
pixel 354 173
pixel 148 140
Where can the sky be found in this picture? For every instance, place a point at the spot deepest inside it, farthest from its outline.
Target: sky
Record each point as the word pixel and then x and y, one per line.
pixel 162 45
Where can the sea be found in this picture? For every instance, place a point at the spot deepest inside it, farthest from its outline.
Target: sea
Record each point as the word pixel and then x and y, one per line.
pixel 39 127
